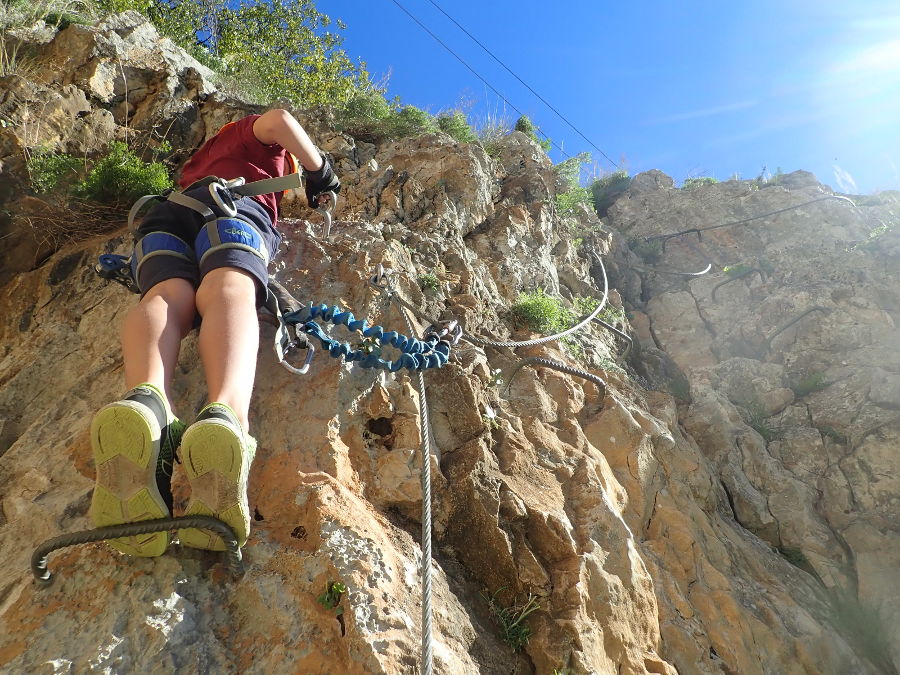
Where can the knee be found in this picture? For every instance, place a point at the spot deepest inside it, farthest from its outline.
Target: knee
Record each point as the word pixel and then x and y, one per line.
pixel 229 285
pixel 176 297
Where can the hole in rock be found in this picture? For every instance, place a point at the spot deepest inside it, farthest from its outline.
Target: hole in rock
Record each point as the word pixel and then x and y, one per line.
pixel 380 427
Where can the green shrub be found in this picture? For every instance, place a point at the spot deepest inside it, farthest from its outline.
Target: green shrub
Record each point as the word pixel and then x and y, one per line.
pixel 694 183
pixel 541 313
pixel 810 384
pixel 457 126
pixel 527 127
pixel 276 49
pixel 796 557
pixel 584 306
pixel 429 282
pixel 48 169
pixel 574 195
pixel 569 202
pixel 368 116
pixel 607 189
pixel 122 176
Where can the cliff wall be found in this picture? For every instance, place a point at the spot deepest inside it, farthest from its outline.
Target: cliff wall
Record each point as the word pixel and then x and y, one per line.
pixel 726 504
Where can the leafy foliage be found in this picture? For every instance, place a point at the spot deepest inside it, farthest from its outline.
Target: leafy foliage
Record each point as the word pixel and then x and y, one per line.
pixel 368 116
pixel 457 126
pixel 694 183
pixel 49 169
pixel 331 598
pixel 527 127
pixel 271 50
pixel 122 176
pixel 648 251
pixel 429 282
pixel 575 195
pixel 541 313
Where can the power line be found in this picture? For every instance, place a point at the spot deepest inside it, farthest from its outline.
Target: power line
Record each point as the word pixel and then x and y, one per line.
pixel 473 71
pixel 527 86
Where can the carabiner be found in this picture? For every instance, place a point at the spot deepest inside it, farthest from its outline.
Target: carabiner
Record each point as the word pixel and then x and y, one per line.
pixel 310 352
pixel 449 331
pixel 379 281
pixel 221 187
pixel 327 209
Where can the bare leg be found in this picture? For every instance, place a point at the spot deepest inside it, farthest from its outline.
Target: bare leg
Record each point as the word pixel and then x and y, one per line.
pixel 153 330
pixel 229 337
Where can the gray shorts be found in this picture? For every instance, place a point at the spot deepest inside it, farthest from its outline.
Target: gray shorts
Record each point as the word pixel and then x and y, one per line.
pixel 186 224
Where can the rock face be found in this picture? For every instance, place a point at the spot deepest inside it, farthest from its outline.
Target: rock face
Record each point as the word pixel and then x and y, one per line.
pixel 728 504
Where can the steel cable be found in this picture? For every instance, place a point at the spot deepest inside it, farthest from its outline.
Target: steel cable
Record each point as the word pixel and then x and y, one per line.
pixel 39 557
pixel 426 515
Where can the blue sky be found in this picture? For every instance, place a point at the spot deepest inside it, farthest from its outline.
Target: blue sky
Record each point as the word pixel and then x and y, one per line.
pixel 691 88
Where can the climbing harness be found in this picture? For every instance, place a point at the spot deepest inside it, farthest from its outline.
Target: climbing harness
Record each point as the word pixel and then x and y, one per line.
pixel 39 557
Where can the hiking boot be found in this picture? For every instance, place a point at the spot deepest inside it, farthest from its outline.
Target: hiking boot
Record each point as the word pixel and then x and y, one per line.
pixel 134 442
pixel 216 456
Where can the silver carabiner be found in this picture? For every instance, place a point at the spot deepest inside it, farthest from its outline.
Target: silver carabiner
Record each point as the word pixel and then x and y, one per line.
pixel 310 352
pixel 327 209
pixel 379 281
pixel 221 187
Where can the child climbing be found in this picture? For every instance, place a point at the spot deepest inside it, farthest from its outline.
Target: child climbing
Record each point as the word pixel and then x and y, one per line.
pixel 186 266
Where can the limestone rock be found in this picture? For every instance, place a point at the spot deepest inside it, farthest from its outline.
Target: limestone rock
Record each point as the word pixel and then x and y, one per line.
pixel 659 524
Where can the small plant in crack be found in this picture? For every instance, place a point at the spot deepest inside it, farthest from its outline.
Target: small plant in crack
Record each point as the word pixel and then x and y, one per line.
pixel 331 599
pixel 511 619
pixel 759 419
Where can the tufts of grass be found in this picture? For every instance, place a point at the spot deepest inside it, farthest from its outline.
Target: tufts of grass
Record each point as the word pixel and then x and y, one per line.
pixel 759 419
pixel 511 620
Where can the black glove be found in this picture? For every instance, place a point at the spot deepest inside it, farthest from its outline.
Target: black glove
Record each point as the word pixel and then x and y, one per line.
pixel 318 182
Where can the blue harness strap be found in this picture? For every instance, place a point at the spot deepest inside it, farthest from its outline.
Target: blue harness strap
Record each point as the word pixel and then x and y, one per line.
pixel 158 243
pixel 224 233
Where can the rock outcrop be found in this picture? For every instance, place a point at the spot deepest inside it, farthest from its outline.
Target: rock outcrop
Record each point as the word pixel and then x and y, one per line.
pixel 726 504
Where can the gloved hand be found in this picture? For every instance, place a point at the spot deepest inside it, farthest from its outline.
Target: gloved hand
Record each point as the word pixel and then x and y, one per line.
pixel 321 181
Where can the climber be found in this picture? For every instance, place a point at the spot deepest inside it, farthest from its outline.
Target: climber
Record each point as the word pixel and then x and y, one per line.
pixel 215 270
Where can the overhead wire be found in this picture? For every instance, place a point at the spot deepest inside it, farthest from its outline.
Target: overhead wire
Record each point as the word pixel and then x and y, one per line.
pixel 473 71
pixel 525 84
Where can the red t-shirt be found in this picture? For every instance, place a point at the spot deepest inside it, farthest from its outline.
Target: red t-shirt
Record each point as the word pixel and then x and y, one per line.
pixel 235 151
